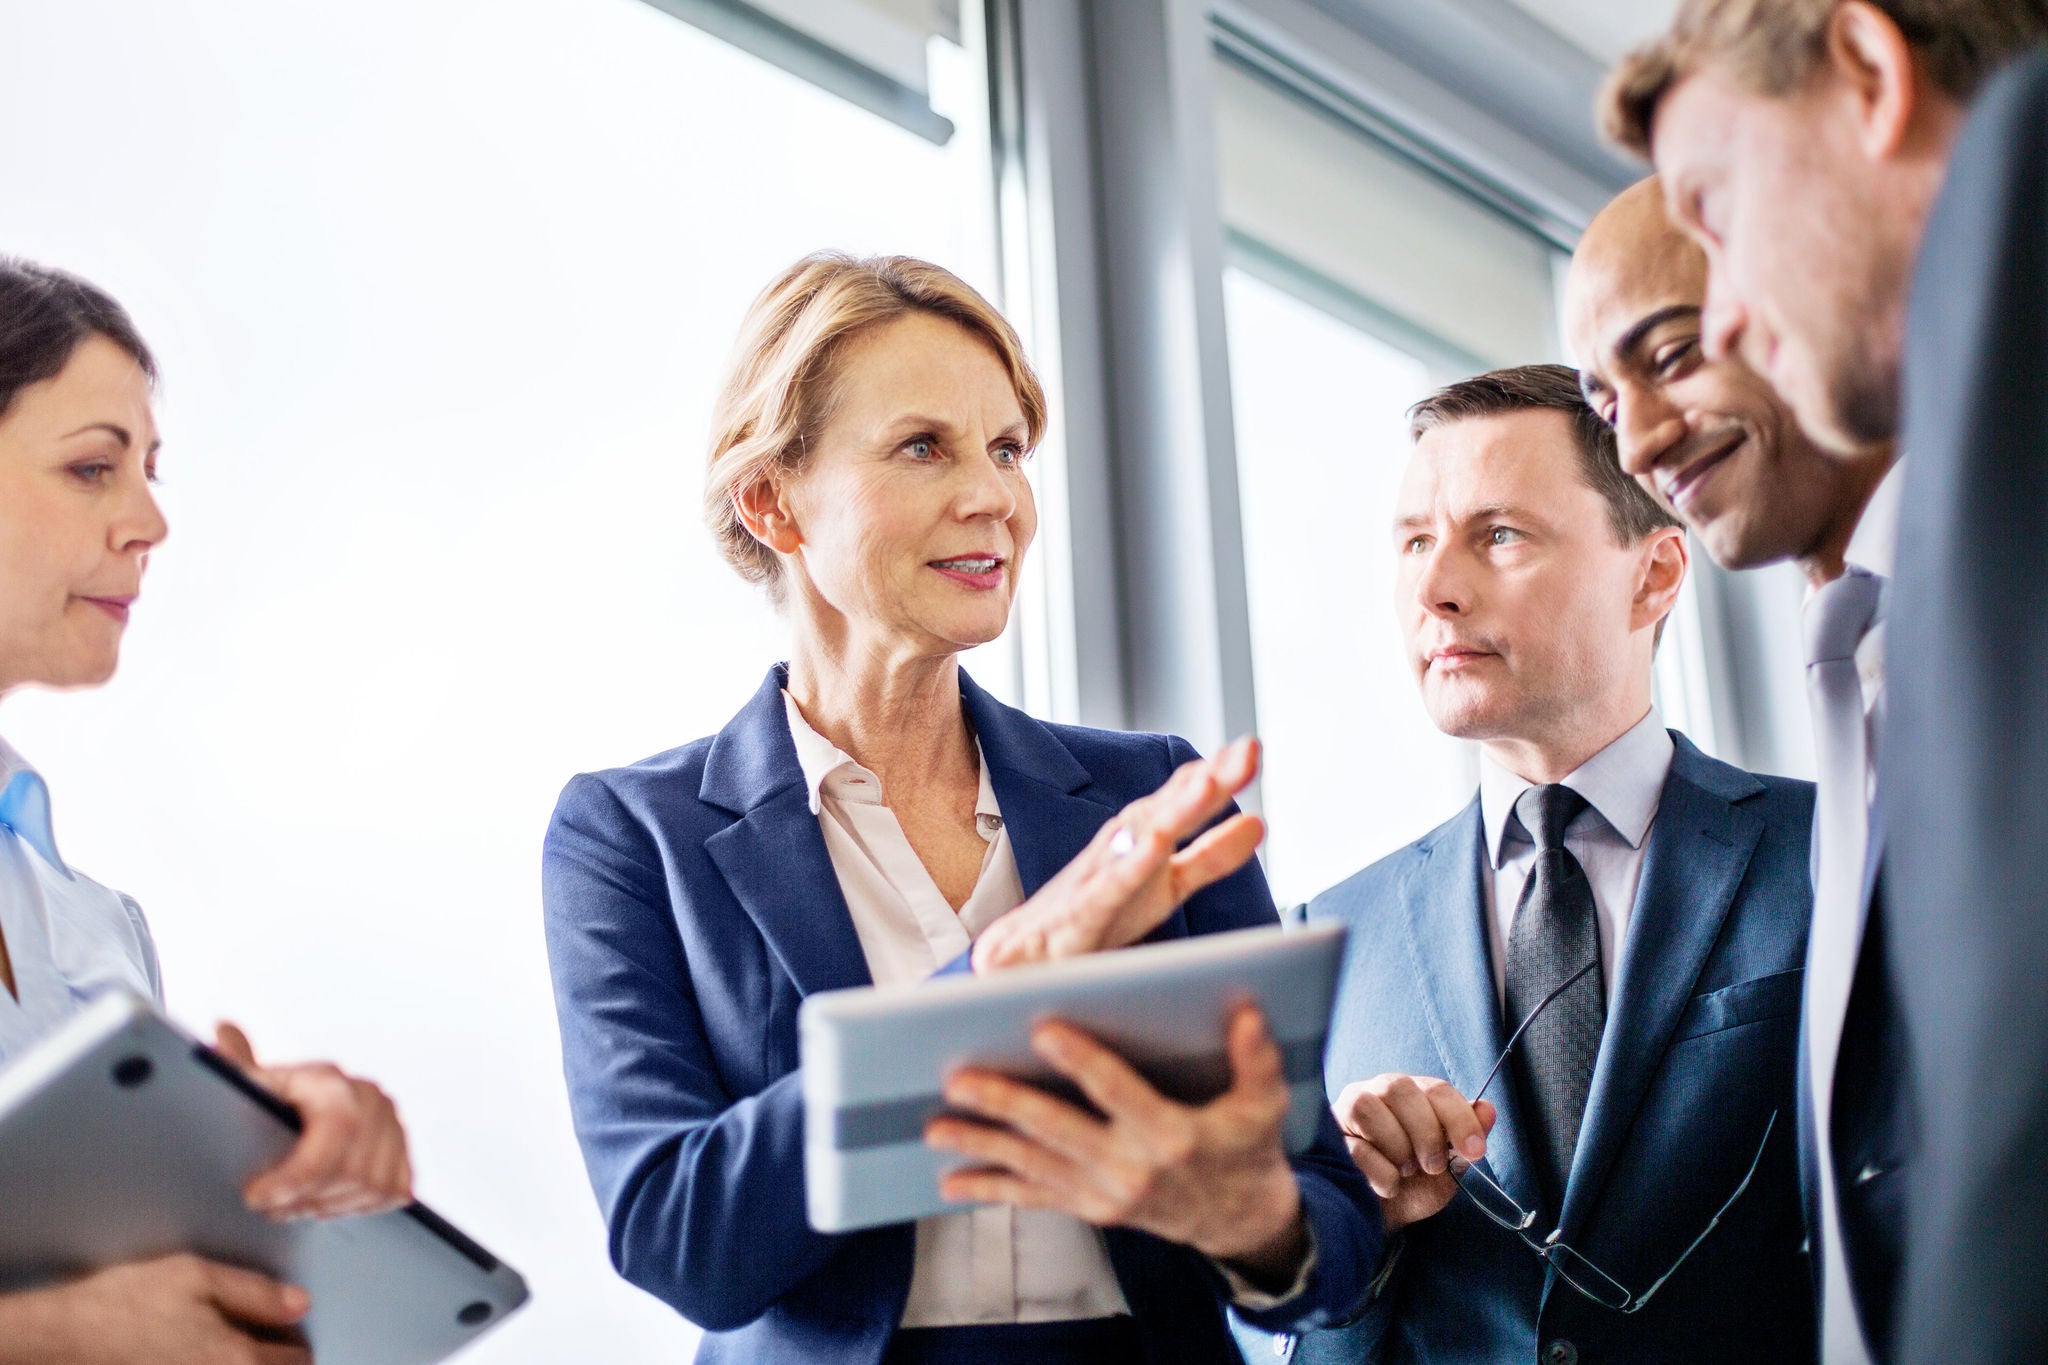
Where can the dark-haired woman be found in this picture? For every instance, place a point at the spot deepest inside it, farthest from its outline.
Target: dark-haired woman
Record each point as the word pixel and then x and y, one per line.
pixel 78 452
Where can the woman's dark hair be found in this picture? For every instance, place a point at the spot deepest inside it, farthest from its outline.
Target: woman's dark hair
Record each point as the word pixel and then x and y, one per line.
pixel 45 315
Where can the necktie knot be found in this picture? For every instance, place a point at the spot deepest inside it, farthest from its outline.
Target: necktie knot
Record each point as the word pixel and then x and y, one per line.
pixel 1839 616
pixel 1547 811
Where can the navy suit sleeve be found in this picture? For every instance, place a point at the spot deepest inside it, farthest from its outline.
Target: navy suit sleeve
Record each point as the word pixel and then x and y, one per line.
pixel 1341 1209
pixel 702 1190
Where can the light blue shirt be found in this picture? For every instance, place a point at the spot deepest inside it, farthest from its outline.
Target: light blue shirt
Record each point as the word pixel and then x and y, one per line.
pixel 68 937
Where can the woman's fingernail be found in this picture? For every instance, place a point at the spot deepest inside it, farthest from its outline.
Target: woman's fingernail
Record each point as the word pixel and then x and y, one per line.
pixel 296 1300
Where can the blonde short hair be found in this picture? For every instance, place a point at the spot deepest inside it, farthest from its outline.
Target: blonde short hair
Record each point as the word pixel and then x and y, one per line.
pixel 785 371
pixel 1771 46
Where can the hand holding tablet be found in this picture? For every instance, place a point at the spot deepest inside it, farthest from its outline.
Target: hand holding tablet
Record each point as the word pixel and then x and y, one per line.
pixel 877 1064
pixel 127 1152
pixel 1211 1176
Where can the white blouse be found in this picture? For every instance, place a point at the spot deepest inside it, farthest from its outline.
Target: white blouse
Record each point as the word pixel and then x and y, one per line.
pixel 984 1265
pixel 68 937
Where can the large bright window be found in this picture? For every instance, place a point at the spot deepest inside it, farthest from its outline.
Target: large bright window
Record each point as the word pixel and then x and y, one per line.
pixel 441 289
pixel 1361 280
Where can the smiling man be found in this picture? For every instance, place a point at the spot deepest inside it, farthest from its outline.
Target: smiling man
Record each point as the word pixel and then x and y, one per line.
pixel 1715 441
pixel 1708 437
pixel 1643 906
pixel 1869 182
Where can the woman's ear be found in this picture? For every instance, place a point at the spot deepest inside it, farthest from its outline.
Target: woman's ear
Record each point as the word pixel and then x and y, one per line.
pixel 764 510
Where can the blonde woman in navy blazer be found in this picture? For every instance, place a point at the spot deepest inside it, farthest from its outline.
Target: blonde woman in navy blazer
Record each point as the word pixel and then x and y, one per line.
pixel 873 815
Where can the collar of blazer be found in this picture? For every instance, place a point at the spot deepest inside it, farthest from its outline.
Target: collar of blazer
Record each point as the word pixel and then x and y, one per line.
pixel 1699 849
pixel 773 856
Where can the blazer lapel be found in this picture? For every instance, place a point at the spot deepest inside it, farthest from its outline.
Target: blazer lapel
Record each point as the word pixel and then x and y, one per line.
pixel 1700 847
pixel 1448 943
pixel 1035 778
pixel 773 858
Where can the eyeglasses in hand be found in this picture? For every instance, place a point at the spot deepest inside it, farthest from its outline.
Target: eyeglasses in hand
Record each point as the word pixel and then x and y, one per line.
pixel 1572 1267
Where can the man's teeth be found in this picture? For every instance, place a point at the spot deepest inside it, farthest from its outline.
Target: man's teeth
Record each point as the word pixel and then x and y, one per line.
pixel 970 565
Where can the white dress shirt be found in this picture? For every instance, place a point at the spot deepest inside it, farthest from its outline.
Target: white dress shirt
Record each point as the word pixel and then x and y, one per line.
pixel 1623 785
pixel 68 937
pixel 1872 547
pixel 986 1265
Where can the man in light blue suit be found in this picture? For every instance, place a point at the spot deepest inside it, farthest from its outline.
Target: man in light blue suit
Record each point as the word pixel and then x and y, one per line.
pixel 1564 1052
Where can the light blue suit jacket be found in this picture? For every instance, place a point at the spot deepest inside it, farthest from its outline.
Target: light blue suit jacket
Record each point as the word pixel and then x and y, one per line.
pixel 1699 1051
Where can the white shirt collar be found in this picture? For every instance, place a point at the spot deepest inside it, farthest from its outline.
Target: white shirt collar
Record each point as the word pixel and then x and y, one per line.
pixel 1874 545
pixel 25 806
pixel 1624 782
pixel 828 769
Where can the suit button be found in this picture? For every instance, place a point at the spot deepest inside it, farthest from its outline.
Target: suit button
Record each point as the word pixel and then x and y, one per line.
pixel 1560 1353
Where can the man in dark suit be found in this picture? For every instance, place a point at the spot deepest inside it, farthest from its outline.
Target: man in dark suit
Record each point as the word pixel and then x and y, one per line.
pixel 1641 906
pixel 1869 190
pixel 1713 440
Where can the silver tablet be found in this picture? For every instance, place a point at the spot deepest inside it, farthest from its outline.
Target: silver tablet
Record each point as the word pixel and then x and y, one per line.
pixel 122 1138
pixel 874 1060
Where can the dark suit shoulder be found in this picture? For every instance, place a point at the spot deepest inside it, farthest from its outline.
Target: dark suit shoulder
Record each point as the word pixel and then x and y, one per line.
pixel 2016 100
pixel 1122 765
pixel 666 783
pixel 1786 798
pixel 1772 797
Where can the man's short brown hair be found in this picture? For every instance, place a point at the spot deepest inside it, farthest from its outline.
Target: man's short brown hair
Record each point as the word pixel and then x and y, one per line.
pixel 1551 388
pixel 1771 46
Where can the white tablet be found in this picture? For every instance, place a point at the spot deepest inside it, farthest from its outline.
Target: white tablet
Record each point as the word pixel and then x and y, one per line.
pixel 122 1138
pixel 875 1060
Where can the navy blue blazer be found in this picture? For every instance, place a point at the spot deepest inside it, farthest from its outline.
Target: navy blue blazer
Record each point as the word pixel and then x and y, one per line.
pixel 691 906
pixel 1700 1049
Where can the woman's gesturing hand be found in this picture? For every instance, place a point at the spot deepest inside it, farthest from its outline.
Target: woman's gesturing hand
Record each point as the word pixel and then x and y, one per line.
pixel 1214 1177
pixel 1130 877
pixel 352 1155
pixel 1403 1132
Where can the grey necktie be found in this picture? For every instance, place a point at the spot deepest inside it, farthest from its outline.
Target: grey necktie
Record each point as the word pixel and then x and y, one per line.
pixel 1555 933
pixel 1836 619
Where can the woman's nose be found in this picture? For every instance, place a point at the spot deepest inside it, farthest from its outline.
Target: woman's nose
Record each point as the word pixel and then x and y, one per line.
pixel 988 490
pixel 140 526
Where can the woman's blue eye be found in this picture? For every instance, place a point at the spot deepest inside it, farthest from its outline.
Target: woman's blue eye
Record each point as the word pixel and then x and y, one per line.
pixel 1501 535
pixel 1009 455
pixel 1416 545
pixel 94 472
pixel 921 449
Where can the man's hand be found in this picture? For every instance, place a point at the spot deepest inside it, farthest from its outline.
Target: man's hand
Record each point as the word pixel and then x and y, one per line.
pixel 1129 878
pixel 180 1310
pixel 351 1157
pixel 1214 1177
pixel 1403 1132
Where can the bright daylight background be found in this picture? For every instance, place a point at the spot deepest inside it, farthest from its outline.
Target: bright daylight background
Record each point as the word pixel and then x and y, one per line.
pixel 441 289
